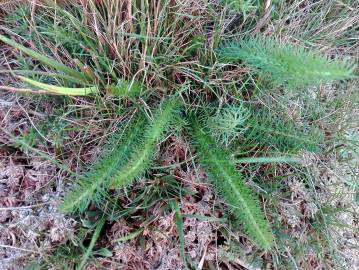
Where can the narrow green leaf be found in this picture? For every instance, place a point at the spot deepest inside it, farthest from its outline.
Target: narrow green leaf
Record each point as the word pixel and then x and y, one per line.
pixel 61 90
pixel 94 238
pixel 283 159
pixel 44 59
pixel 43 73
pixel 179 224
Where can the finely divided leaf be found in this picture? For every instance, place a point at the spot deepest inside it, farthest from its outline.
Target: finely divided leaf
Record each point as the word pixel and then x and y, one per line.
pixel 141 158
pixel 92 185
pixel 289 65
pixel 227 180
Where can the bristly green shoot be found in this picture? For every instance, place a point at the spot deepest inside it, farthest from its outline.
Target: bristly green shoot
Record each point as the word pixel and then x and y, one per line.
pixel 274 131
pixel 261 127
pixel 130 157
pixel 288 65
pixel 92 186
pixel 140 159
pixel 223 174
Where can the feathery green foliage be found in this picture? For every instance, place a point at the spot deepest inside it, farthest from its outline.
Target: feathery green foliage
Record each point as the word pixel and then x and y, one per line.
pixel 261 127
pixel 289 65
pixel 267 129
pixel 125 88
pixel 227 180
pixel 92 185
pixel 141 158
pixel 244 6
pixel 121 165
pixel 228 123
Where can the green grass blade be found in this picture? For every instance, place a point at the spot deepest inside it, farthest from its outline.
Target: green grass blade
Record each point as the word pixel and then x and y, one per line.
pixel 65 77
pixel 179 224
pixel 85 91
pixel 43 59
pixel 94 239
pixel 283 159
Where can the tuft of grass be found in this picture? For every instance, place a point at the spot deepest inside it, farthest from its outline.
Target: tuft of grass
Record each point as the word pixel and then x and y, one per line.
pixel 288 65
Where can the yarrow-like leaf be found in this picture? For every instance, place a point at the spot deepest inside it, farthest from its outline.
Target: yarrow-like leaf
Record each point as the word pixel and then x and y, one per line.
pixel 223 174
pixel 289 65
pixel 130 157
pixel 93 185
pixel 261 127
pixel 141 158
